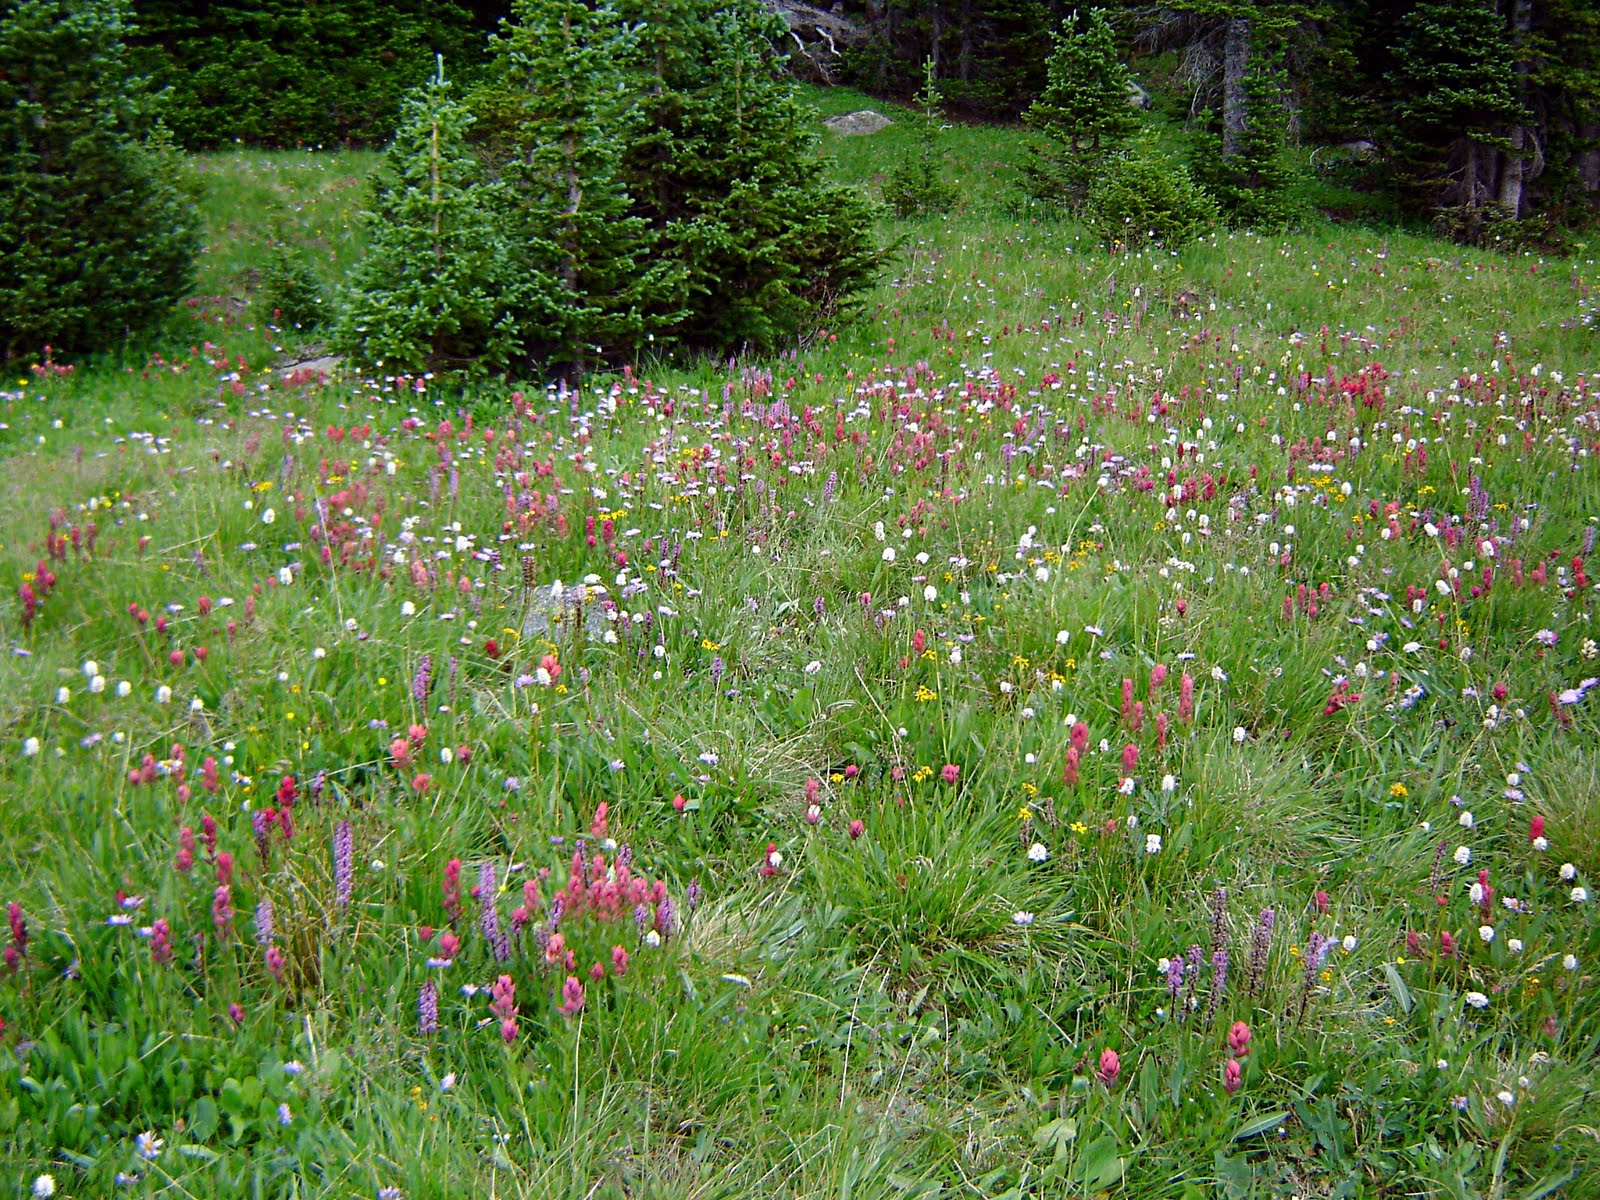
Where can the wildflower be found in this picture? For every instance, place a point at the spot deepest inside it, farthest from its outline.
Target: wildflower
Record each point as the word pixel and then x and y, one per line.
pixel 1477 1000
pixel 1463 855
pixel 1465 820
pixel 428 1009
pixel 772 861
pixel 1038 853
pixel 1239 1040
pixel 1580 895
pixel 148 1145
pixel 1568 872
pixel 950 773
pixel 1570 962
pixel 857 828
pixel 285 1116
pixel 1486 932
pixel 1022 918
pixel 1174 969
pixel 1514 945
pixel 1260 945
pixel 1110 1067
pixel 1152 843
pixel 1232 1076
pixel 571 997
pixel 1240 735
pixel 343 864
pixel 43 1186
pixel 30 747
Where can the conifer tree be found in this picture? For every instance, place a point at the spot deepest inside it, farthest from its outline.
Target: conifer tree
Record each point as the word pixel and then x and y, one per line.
pixel 96 238
pixel 917 186
pixel 1254 186
pixel 439 288
pixel 1083 113
pixel 571 216
pixel 1456 102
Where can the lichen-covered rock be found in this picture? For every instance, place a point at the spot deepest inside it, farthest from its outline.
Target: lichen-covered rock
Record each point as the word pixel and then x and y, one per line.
pixel 862 121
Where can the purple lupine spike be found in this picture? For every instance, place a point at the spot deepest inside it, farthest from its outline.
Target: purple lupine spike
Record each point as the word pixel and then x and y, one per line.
pixel 428 1008
pixel 716 671
pixel 344 873
pixel 819 606
pixel 692 895
pixel 1193 957
pixel 422 680
pixel 264 928
pixel 665 917
pixel 1260 945
pixel 624 857
pixel 1219 919
pixel 1174 977
pixel 261 823
pixel 641 917
pixel 489 914
pixel 1219 983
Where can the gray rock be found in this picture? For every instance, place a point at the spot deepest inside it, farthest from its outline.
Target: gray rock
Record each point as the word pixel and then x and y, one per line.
pixel 326 364
pixel 863 121
pixel 560 618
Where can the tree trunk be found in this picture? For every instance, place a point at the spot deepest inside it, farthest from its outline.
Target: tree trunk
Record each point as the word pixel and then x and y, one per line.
pixel 1514 177
pixel 966 41
pixel 1235 66
pixel 1588 163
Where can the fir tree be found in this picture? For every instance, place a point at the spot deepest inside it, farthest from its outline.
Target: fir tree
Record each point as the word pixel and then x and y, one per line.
pixel 725 169
pixel 1254 187
pixel 96 238
pixel 572 216
pixel 1456 102
pixel 917 186
pixel 1083 113
pixel 439 288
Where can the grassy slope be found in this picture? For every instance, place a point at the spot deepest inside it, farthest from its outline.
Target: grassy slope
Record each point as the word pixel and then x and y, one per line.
pixel 872 1019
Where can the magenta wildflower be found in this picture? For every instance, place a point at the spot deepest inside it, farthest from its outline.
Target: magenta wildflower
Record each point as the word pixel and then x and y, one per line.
pixel 160 941
pixel 571 997
pixel 1110 1067
pixel 222 910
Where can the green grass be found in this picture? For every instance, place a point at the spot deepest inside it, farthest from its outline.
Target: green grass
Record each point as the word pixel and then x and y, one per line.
pixel 878 1016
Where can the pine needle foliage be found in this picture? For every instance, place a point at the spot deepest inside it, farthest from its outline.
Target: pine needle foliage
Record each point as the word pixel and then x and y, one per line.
pixel 441 287
pixel 97 240
pixel 1082 115
pixel 917 187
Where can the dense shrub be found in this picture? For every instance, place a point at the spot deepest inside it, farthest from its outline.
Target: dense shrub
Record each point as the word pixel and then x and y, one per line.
pixel 1142 196
pixel 633 186
pixel 96 237
pixel 285 72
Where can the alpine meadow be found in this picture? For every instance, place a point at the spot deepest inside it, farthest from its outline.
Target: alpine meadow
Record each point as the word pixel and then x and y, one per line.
pixel 714 599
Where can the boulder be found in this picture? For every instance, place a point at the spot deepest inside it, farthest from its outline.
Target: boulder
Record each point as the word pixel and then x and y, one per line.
pixel 862 121
pixel 820 39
